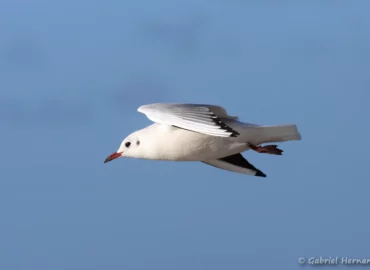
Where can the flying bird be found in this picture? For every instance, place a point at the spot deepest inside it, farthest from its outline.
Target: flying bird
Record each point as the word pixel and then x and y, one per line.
pixel 205 133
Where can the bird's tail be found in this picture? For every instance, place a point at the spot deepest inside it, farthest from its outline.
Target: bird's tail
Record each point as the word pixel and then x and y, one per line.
pixel 278 133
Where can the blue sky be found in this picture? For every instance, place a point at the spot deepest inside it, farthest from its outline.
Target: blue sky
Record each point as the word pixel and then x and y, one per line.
pixel 72 76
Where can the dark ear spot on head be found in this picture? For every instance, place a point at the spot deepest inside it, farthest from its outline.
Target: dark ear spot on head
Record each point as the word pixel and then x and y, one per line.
pixel 137 142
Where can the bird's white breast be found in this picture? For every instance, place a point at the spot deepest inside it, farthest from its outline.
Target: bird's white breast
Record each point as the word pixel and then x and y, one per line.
pixel 165 142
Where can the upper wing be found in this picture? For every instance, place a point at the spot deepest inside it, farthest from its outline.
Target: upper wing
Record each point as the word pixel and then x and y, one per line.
pixel 204 119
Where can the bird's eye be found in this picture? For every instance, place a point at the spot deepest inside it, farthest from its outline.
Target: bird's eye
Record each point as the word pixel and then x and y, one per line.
pixel 127 144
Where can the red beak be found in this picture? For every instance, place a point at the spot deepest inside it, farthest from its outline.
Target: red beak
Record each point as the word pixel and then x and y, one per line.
pixel 112 156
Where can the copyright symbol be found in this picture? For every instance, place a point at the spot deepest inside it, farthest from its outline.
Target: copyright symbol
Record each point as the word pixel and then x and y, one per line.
pixel 301 260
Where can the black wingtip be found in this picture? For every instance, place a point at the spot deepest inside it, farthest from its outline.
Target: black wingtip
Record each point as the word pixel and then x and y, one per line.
pixel 261 174
pixel 223 126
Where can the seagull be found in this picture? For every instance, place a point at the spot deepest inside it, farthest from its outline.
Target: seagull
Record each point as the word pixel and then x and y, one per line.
pixel 203 133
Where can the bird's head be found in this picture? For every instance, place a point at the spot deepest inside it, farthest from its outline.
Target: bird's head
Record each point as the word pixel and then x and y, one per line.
pixel 128 148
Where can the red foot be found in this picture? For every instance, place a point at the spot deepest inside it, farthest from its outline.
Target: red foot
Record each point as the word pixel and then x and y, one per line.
pixel 267 149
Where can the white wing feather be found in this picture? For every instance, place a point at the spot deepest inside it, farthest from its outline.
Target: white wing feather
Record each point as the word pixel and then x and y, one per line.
pixel 206 119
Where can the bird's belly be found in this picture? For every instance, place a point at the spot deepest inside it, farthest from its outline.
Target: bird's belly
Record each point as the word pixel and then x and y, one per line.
pixel 185 145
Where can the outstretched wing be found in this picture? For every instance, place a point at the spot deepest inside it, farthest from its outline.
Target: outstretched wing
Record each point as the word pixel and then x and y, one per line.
pixel 235 163
pixel 206 119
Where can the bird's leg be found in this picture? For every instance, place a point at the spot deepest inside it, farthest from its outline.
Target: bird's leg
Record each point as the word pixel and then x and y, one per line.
pixel 267 149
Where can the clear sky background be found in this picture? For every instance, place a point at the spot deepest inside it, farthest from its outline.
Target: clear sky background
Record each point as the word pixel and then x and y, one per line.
pixel 73 73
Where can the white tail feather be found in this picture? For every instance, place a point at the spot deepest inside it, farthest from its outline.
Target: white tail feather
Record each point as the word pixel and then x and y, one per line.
pixel 278 133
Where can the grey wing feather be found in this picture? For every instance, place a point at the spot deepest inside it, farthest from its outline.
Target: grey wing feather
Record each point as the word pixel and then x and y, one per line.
pixel 235 163
pixel 200 118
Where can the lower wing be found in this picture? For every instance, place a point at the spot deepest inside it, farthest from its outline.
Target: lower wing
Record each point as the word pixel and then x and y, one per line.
pixel 235 163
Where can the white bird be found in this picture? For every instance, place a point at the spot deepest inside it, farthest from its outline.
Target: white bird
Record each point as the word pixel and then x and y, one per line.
pixel 205 133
